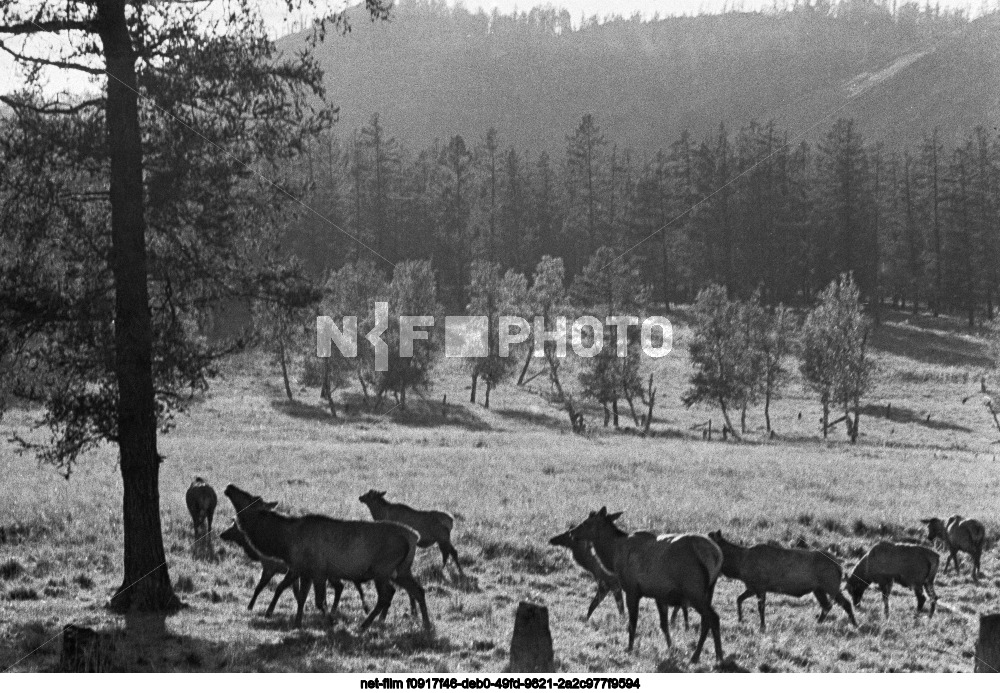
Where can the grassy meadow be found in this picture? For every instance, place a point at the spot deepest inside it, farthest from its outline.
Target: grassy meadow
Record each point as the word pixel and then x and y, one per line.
pixel 513 476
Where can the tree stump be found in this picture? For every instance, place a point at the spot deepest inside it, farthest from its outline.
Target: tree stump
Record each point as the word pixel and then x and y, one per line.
pixel 988 645
pixel 531 645
pixel 84 650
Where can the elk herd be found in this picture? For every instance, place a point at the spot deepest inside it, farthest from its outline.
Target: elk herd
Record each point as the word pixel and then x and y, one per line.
pixel 674 570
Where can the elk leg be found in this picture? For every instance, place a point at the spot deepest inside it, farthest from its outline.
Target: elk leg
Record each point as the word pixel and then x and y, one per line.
pixel 602 592
pixel 958 563
pixel 739 603
pixel 454 557
pixel 265 577
pixel 761 604
pixel 300 597
pixel 886 591
pixel 824 604
pixel 361 593
pixel 918 590
pixel 289 579
pixel 385 592
pixel 632 602
pixel 846 606
pixel 709 621
pixel 320 594
pixel 616 592
pixel 930 590
pixel 338 589
pixel 664 610
pixel 413 588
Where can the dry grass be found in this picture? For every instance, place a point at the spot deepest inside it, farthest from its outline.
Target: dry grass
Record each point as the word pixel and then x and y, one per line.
pixel 513 477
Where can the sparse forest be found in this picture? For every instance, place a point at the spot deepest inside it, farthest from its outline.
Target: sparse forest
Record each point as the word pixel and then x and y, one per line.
pixel 749 210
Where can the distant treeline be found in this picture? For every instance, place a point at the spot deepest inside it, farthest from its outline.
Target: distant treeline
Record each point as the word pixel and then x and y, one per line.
pixel 746 209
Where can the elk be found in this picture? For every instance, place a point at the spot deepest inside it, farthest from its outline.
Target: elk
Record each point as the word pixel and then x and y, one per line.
pixel 585 557
pixel 908 565
pixel 201 501
pixel 959 534
pixel 795 572
pixel 317 548
pixel 271 567
pixel 433 526
pixel 674 570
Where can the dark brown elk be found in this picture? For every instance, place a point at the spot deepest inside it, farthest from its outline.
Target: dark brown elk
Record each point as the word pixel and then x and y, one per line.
pixel 317 548
pixel 201 501
pixel 433 526
pixel 673 570
pixel 908 565
pixel 795 572
pixel 270 568
pixel 959 534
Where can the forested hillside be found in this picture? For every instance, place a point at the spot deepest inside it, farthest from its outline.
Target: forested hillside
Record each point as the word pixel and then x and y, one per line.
pixel 433 72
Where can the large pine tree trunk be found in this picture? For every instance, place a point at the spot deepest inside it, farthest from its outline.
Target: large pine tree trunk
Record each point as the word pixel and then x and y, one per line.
pixel 146 583
pixel 767 409
pixel 475 380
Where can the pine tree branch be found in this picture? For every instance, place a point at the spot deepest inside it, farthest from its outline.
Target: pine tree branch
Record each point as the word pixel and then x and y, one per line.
pixel 51 63
pixel 50 26
pixel 54 108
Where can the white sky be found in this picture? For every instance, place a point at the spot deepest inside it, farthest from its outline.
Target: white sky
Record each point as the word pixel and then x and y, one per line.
pixel 275 13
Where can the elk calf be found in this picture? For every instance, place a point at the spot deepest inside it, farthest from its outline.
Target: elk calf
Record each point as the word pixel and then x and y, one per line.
pixel 433 526
pixel 959 534
pixel 795 572
pixel 908 565
pixel 201 501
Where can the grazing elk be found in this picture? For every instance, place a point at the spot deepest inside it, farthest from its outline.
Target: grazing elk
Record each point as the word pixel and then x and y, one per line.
pixel 795 572
pixel 959 534
pixel 908 565
pixel 271 567
pixel 201 501
pixel 433 526
pixel 317 548
pixel 674 570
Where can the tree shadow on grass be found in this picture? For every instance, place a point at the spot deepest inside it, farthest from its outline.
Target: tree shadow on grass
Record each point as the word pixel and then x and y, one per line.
pixel 309 412
pixel 417 413
pixel 904 415
pixel 38 647
pixel 534 418
pixel 930 347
